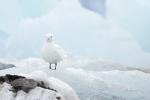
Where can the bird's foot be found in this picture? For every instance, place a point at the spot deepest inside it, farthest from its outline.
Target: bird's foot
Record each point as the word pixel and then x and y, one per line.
pixel 53 68
pixel 50 66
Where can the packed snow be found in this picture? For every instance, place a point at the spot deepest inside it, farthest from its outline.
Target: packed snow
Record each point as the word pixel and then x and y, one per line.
pixel 92 79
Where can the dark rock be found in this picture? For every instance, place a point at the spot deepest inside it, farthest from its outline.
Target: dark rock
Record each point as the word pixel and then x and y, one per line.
pixel 6 66
pixel 9 78
pixel 42 85
pixel 22 83
pixel 2 80
pixel 13 77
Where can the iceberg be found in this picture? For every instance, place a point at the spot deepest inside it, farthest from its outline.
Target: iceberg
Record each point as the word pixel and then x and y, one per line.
pixel 98 6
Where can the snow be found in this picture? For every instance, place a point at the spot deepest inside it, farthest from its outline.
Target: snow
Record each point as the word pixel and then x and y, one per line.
pixel 60 86
pixel 32 95
pixel 92 79
pixel 5 93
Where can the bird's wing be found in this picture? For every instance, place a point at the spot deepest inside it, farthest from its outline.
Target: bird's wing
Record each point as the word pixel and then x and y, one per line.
pixel 61 51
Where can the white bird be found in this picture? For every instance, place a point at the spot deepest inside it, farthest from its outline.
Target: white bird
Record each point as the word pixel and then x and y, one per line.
pixel 51 52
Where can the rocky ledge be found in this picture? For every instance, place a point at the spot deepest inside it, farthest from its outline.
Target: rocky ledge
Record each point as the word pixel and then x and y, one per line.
pixel 16 87
pixel 22 83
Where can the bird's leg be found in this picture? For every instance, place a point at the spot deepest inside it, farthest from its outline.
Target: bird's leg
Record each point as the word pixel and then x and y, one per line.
pixel 55 65
pixel 50 66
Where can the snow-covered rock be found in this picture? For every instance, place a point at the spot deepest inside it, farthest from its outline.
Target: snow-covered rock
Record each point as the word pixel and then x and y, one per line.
pixel 14 87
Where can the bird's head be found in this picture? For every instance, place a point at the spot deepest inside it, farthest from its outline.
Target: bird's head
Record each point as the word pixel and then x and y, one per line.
pixel 49 37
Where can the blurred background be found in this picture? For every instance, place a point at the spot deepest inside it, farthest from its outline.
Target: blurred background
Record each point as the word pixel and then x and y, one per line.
pixel 115 30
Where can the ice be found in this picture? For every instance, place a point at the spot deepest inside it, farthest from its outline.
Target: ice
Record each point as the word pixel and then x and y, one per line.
pixel 106 81
pixel 98 6
pixel 6 66
pixel 69 21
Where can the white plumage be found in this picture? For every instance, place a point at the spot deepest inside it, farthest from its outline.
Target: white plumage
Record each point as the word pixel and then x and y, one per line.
pixel 51 52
